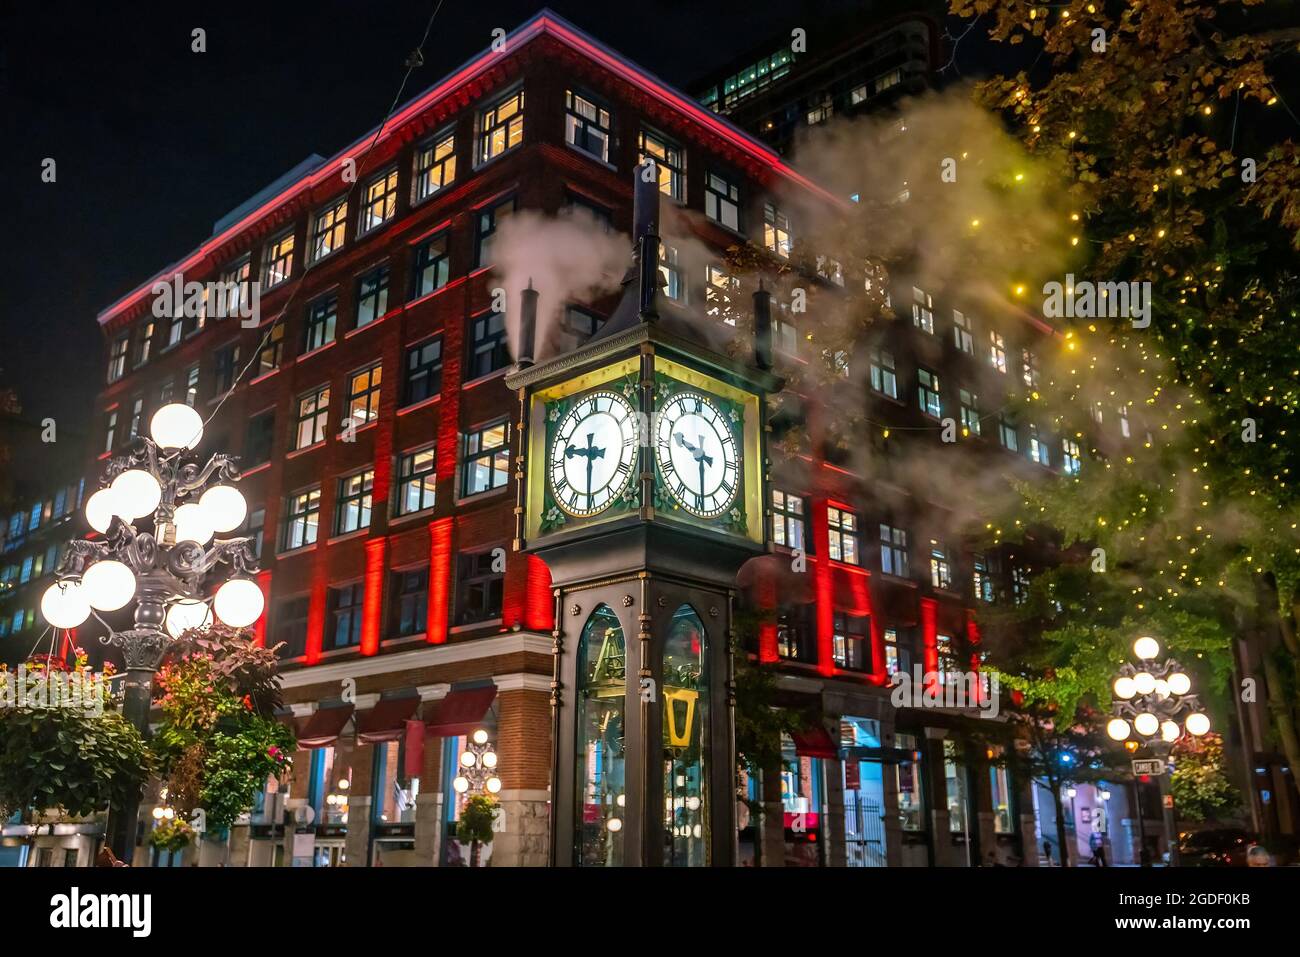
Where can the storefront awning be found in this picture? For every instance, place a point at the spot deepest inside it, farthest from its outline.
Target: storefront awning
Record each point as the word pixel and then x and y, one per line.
pixel 461 711
pixel 386 721
pixel 323 727
pixel 814 743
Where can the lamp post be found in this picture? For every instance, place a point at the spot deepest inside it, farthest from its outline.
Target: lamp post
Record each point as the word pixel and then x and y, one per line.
pixel 1150 700
pixel 163 570
pixel 478 764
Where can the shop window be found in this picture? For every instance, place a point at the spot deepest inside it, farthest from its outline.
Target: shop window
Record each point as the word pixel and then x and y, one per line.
pixel 599 759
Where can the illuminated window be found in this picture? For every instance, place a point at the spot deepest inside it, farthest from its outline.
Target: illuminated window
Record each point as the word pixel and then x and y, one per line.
pixel 423 371
pixel 175 329
pixel 883 377
pixel 485 459
pixel 893 551
pixel 674 281
pixel 329 229
pixel 145 342
pixel 1019 584
pixel 886 80
pixel 982 579
pixel 997 351
pixel 722 201
pixel 137 416
pixel 858 95
pixel 192 385
pixel 1007 434
pixel 849 641
pixel 117 357
pixel 234 287
pixel 970 413
pixel 843 527
pixel 719 290
pixel 894 661
pixel 372 296
pixel 489 221
pixel 363 395
pixel 321 318
pixel 832 270
pixel 1123 422
pixel 586 125
pixel 776 231
pixel 379 201
pixel 416 481
pixel 1029 363
pixel 501 126
pixel 922 310
pixel 954 772
pixel 1070 458
pixel 1038 451
pixel 927 392
pixel 271 354
pixel 1000 788
pixel 787 519
pixel 669 160
pixel 940 566
pixel 963 332
pixel 313 417
pixel 820 110
pixel 432 266
pixel 355 502
pixel 435 165
pixel 302 519
pixel 279 260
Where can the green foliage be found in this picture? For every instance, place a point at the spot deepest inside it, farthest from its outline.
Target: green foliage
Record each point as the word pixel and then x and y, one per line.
pixel 69 758
pixel 1200 784
pixel 237 764
pixel 476 817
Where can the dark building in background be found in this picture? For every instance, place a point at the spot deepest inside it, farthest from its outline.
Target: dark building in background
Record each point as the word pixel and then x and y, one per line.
pixel 852 64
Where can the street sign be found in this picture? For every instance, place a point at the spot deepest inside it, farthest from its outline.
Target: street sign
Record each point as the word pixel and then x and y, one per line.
pixel 1152 766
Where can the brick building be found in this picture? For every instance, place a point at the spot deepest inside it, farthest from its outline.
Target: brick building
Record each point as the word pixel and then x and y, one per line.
pixel 376 438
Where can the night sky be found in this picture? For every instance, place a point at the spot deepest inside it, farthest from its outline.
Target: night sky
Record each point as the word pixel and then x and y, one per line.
pixel 154 142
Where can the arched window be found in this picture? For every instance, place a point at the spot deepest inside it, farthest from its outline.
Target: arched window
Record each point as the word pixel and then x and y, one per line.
pixel 685 707
pixel 600 795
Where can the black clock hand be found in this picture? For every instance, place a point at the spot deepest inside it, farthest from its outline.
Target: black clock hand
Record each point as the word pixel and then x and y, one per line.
pixel 591 458
pixel 699 496
pixel 700 456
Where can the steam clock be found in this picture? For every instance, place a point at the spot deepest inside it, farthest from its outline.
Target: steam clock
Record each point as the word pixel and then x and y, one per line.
pixel 641 486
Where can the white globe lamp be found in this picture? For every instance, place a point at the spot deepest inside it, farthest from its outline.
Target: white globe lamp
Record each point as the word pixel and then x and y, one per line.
pixel 1144 682
pixel 1146 723
pixel 1146 648
pixel 186 614
pixel 225 507
pixel 100 509
pixel 1179 683
pixel 176 426
pixel 64 605
pixel 239 602
pixel 460 783
pixel 108 585
pixel 1169 730
pixel 1117 728
pixel 1197 723
pixel 137 493
pixel 1125 688
pixel 193 524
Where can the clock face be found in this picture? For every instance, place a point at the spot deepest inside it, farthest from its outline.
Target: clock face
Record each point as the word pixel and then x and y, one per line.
pixel 697 454
pixel 593 453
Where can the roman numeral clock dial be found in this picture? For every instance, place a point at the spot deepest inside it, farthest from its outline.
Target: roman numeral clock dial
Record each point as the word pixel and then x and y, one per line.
pixel 593 454
pixel 697 454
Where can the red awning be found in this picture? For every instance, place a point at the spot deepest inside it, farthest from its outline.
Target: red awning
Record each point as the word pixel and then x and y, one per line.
pixel 815 743
pixel 461 711
pixel 323 727
pixel 386 721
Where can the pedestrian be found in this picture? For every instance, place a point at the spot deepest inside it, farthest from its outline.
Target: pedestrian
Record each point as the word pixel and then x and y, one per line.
pixel 1098 844
pixel 1047 852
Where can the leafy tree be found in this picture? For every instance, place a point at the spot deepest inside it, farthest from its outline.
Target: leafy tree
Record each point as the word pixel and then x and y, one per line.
pixel 475 825
pixel 1199 781
pixel 1183 172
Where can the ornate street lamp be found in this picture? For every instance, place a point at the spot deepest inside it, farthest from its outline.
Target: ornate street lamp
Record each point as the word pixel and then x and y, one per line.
pixel 477 766
pixel 163 570
pixel 1150 701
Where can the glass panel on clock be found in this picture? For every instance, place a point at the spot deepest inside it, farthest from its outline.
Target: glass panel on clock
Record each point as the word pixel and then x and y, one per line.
pixel 685 707
pixel 600 791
